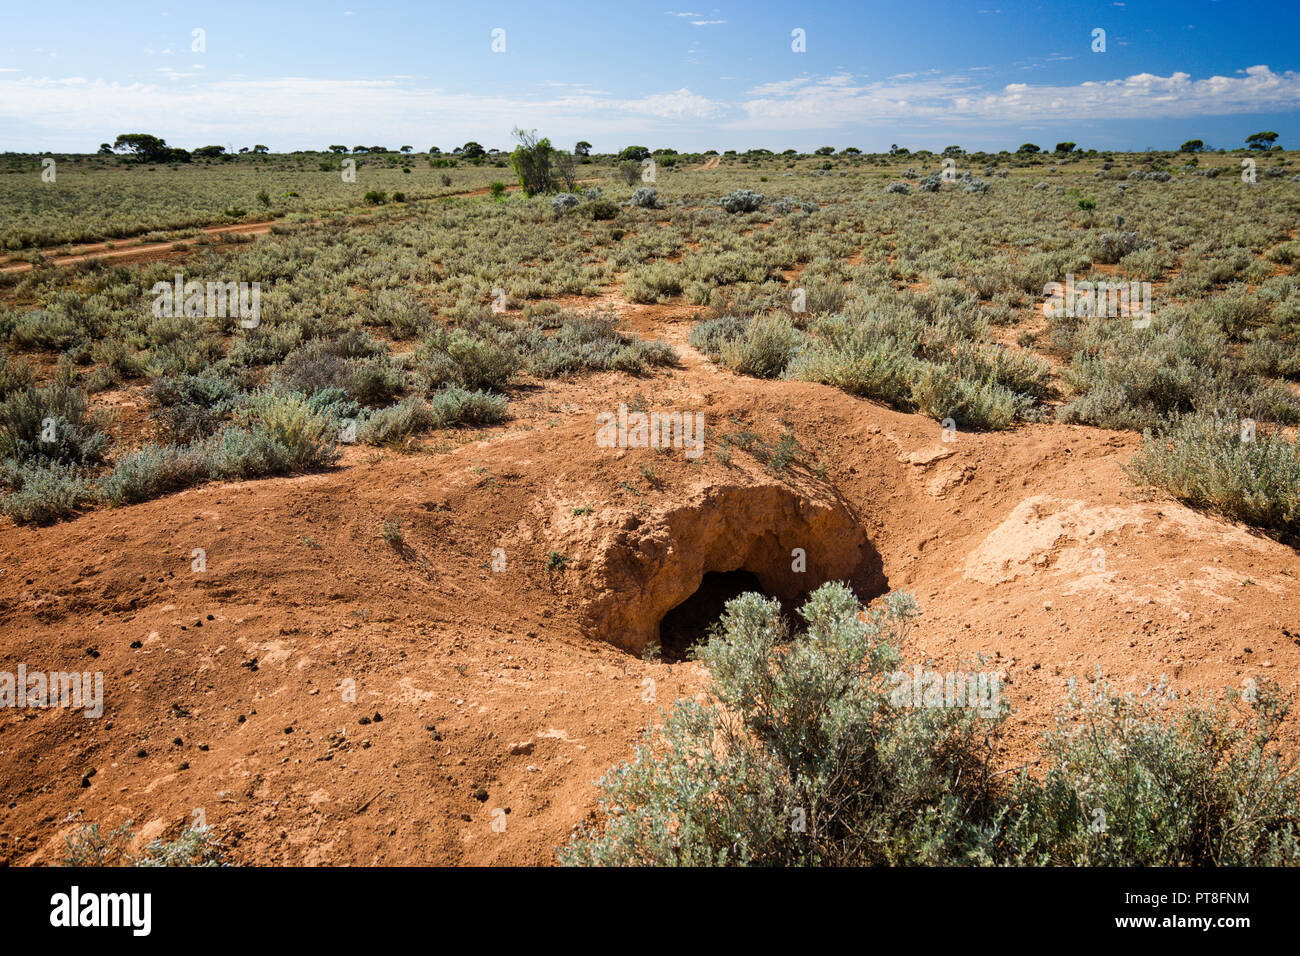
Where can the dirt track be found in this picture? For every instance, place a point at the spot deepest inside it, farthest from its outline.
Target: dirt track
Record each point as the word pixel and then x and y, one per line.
pixel 101 250
pixel 160 250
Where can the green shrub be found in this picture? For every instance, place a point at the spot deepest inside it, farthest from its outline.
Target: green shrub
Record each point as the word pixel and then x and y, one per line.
pixel 152 471
pixel 192 352
pixel 393 425
pixel 45 493
pixel 401 312
pixel 274 432
pixel 375 381
pixel 533 161
pixel 799 757
pixel 15 374
pixel 45 330
pixel 1203 461
pixel 312 367
pixel 196 846
pixel 477 358
pixel 804 753
pixel 602 210
pixel 741 200
pixel 713 335
pixel 458 406
pixel 287 431
pixel 765 348
pixel 652 283
pixel 861 363
pixel 590 344
pixel 237 454
pixel 1019 371
pixel 450 407
pixel 1144 781
pixel 1129 379
pixel 50 425
pixel 943 394
pixel 117 361
pixel 1266 355
pixel 193 406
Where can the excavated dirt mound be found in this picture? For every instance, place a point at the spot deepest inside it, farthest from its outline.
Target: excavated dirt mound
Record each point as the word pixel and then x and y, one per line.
pixel 791 541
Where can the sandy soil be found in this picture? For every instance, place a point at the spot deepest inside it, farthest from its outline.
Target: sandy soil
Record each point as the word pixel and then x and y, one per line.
pixel 320 695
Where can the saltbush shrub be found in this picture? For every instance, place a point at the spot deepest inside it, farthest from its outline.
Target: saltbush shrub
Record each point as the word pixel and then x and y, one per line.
pixel 50 425
pixel 564 202
pixel 45 492
pixel 450 407
pixel 1208 461
pixel 645 198
pixel 803 752
pixel 764 349
pixel 741 200
pixel 977 403
pixel 15 374
pixel 193 406
pixel 473 358
pixel 1112 247
pixel 602 210
pixel 154 470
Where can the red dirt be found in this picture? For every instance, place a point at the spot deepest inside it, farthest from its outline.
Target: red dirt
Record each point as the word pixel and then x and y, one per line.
pixel 139 252
pixel 996 533
pixel 1030 547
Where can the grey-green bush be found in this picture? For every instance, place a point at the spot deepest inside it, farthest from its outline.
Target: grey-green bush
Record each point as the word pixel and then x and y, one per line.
pixel 52 425
pixel 803 754
pixel 1206 461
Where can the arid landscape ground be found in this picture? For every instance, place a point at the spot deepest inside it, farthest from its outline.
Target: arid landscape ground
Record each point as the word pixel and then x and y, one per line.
pixel 427 645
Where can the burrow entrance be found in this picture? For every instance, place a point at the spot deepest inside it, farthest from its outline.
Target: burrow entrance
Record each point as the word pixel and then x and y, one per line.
pixel 689 623
pixel 665 578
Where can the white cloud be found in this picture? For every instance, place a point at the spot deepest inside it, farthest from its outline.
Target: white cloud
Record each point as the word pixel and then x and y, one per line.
pixel 682 104
pixel 842 100
pixel 291 112
pixel 299 111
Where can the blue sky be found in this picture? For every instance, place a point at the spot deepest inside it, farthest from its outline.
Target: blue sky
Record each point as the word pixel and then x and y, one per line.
pixel 989 74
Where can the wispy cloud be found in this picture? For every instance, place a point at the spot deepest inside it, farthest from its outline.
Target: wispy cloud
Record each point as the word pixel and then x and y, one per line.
pixel 304 110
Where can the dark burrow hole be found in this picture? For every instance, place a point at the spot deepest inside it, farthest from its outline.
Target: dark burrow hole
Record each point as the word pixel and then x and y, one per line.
pixel 688 623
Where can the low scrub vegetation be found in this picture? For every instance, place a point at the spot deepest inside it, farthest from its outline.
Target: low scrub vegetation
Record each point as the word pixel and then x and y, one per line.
pixel 804 754
pixel 830 278
pixel 90 846
pixel 917 352
pixel 1209 461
